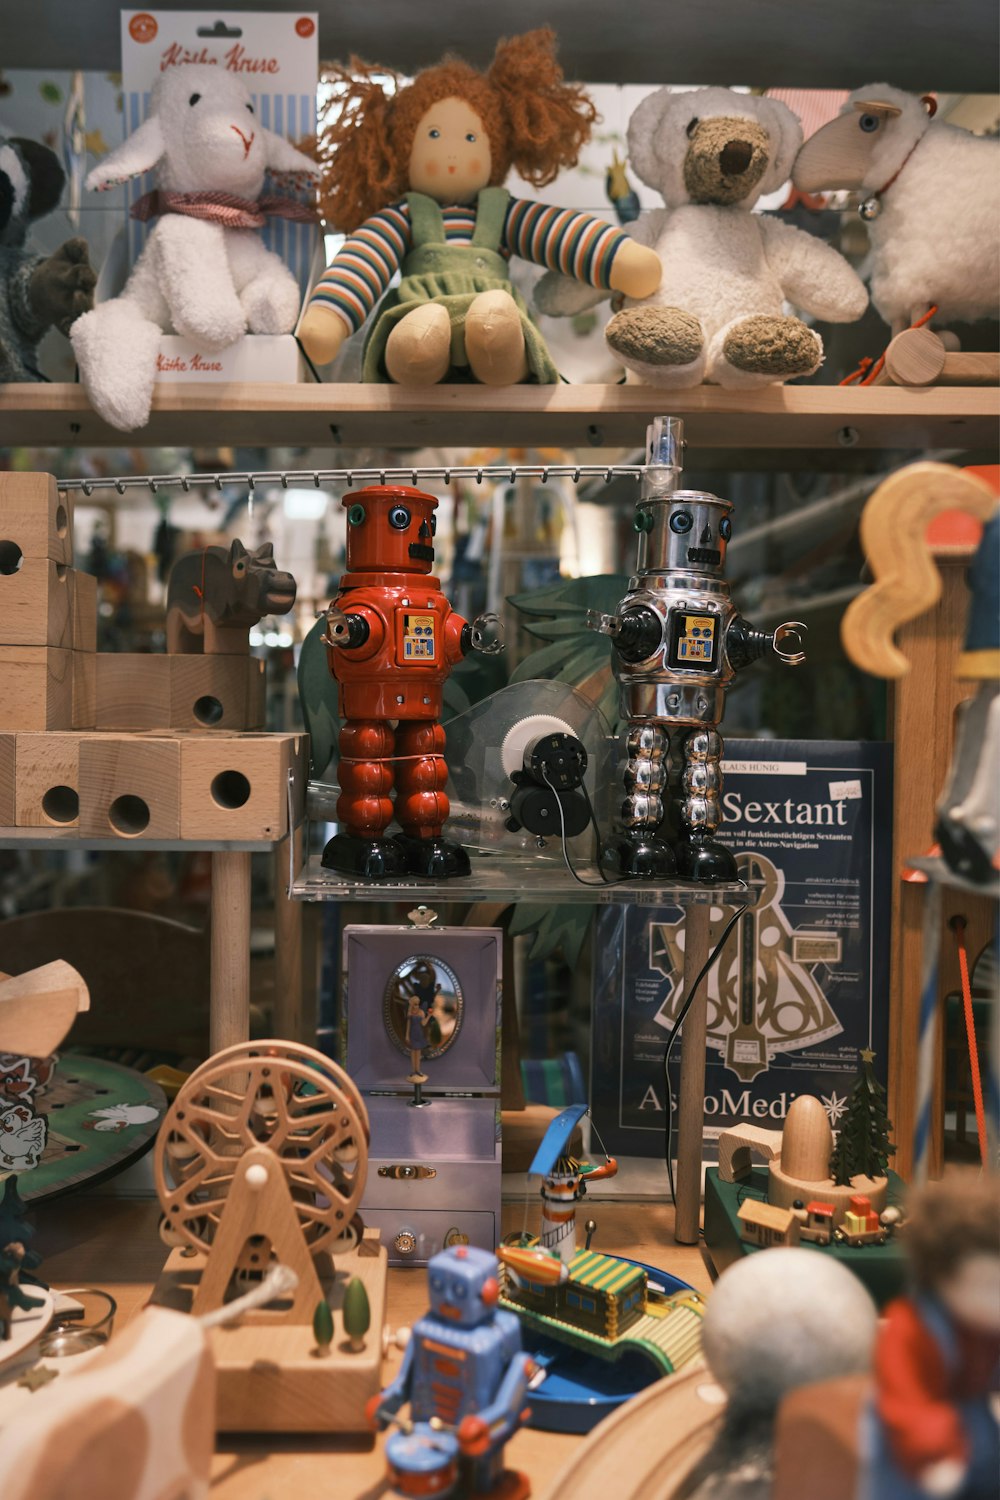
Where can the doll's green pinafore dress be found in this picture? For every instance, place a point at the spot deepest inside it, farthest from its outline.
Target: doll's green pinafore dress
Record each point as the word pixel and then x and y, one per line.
pixel 452 275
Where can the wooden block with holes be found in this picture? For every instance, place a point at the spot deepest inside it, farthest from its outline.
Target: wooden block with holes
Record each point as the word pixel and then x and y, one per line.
pixel 83 599
pixel 129 786
pixel 48 786
pixel 8 785
pixel 36 604
pixel 132 691
pixel 236 786
pixel 37 687
pixel 216 692
pixel 36 521
pixel 85 689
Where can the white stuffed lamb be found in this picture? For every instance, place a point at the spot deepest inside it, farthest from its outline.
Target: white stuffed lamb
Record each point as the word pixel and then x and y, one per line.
pixel 719 313
pixel 932 205
pixel 204 272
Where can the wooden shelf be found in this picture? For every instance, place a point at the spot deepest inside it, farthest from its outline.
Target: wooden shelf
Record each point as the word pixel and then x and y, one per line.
pixel 951 48
pixel 829 420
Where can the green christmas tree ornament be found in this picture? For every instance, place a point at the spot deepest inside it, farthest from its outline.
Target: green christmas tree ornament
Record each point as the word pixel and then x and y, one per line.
pixel 357 1313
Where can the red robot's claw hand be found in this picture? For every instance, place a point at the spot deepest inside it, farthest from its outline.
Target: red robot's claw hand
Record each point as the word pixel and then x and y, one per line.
pixel 344 631
pixel 486 634
pixel 473 1436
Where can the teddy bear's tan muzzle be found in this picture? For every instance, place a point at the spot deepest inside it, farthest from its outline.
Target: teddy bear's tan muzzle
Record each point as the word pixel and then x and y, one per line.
pixel 725 160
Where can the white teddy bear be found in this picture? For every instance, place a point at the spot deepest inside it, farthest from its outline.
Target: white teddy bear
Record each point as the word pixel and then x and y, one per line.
pixel 204 272
pixel 719 313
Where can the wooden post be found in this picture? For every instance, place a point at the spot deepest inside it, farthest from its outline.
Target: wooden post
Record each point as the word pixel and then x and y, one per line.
pixel 230 1004
pixel 290 1017
pixel 922 708
pixel 691 1101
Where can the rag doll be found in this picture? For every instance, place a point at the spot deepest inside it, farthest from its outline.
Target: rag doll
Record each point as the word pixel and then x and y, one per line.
pixel 37 292
pixel 415 180
pixel 719 313
pixel 204 272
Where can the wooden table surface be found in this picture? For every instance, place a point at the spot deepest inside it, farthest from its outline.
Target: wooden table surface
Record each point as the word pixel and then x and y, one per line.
pixel 112 1243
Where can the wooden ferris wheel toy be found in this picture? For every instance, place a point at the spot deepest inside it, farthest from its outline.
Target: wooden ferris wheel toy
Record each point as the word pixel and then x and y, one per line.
pixel 262 1159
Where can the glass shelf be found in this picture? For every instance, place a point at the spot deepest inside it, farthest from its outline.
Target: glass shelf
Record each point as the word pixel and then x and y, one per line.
pixel 507 878
pixel 58 839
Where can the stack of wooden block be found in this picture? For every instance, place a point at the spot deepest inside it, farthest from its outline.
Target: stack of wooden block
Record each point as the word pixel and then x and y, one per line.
pixel 118 745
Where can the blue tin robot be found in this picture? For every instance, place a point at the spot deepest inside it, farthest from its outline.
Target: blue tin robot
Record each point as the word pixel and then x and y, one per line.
pixel 463 1371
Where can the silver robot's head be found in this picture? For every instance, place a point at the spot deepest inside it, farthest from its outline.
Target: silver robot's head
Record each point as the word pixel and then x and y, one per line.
pixel 686 530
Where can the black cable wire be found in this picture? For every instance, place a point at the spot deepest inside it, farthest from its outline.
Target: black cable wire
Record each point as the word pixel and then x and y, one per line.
pixel 591 884
pixel 688 1001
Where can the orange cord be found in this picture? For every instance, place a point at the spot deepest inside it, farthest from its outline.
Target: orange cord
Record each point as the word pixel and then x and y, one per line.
pixel 870 369
pixel 958 927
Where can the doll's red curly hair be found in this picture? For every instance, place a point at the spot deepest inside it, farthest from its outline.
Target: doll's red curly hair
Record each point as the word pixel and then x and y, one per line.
pixel 535 122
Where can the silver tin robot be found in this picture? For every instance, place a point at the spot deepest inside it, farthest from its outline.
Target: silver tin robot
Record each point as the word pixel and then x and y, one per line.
pixel 678 643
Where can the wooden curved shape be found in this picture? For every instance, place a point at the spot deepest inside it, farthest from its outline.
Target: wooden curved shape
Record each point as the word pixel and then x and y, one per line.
pixel 37 1009
pixel 893 527
pixel 648 1448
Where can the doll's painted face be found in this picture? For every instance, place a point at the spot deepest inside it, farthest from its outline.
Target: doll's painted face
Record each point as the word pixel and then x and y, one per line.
pixel 450 159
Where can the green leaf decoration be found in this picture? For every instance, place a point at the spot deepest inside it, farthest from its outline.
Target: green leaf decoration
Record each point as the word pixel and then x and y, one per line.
pixel 357 1312
pixel 555 928
pixel 318 695
pixel 323 1325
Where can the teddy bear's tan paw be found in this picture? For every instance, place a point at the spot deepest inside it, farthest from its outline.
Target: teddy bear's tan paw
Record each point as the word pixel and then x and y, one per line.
pixel 778 347
pixel 656 335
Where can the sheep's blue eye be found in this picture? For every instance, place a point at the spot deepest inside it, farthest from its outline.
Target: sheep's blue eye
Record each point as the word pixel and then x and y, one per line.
pixel 250 108
pixel 470 138
pixel 434 134
pixel 868 122
pixel 194 99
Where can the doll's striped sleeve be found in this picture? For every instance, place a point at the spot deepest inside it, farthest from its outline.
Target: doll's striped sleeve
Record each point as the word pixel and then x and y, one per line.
pixel 561 239
pixel 364 266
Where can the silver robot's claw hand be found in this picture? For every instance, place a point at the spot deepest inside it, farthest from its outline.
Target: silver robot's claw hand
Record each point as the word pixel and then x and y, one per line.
pixel 604 624
pixel 487 634
pixel 788 644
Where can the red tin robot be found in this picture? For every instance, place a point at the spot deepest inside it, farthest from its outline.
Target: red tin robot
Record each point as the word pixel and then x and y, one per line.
pixel 392 639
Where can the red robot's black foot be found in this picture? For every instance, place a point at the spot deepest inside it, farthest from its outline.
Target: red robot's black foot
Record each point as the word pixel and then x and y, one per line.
pixel 371 859
pixel 435 858
pixel 703 859
pixel 639 856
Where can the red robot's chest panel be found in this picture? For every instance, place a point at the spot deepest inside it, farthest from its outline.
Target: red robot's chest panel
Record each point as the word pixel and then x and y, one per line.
pixel 417 635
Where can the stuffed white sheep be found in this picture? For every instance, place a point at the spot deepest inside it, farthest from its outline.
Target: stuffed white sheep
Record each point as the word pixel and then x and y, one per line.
pixel 933 203
pixel 204 272
pixel 719 313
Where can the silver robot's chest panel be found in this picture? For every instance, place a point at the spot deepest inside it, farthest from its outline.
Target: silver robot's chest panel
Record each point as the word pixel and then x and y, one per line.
pixel 683 680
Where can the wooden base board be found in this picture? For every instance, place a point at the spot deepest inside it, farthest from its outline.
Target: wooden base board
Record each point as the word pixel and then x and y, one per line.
pixel 271 1378
pixel 881 1268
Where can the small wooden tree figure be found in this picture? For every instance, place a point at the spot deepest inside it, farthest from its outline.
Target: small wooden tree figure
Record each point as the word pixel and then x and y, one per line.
pixel 323 1327
pixel 863 1146
pixel 357 1313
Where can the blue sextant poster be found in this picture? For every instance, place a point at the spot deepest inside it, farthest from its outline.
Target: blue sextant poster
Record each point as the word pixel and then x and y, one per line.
pixel 802 982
